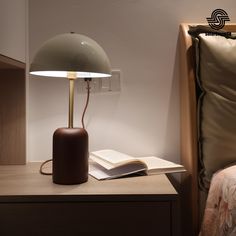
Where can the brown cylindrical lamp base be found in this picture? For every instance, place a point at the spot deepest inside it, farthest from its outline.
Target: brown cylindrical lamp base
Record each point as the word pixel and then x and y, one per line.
pixel 70 156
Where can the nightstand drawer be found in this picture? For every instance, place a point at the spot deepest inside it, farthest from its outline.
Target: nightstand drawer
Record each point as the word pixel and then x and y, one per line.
pixel 86 218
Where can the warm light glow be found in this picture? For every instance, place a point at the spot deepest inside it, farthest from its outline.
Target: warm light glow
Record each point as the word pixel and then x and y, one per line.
pixel 79 74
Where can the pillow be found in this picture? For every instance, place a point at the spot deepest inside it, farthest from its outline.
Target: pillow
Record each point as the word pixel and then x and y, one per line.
pixel 216 75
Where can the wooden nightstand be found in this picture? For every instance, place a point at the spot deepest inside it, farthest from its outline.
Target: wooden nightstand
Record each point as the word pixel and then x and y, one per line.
pixel 30 204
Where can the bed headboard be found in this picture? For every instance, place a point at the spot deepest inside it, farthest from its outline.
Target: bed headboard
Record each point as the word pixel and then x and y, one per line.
pixel 189 146
pixel 188 105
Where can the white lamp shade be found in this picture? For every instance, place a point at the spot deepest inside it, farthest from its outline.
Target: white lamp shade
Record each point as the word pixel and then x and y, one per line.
pixel 71 52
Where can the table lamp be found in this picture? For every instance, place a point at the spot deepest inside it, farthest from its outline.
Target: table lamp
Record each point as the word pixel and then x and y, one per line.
pixel 70 56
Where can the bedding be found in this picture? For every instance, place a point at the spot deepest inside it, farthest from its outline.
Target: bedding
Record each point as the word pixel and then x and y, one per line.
pixel 220 212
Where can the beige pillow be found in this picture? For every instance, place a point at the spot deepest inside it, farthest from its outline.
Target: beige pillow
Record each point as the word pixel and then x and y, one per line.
pixel 216 72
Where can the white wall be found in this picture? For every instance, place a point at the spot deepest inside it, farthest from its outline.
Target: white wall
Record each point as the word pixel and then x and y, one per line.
pixel 140 38
pixel 13 28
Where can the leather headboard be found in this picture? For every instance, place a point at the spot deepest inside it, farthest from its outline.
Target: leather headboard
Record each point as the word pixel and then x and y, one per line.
pixel 216 75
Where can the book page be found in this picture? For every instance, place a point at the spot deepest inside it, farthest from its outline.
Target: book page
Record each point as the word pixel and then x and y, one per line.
pixel 101 162
pixel 158 165
pixel 112 156
pixel 100 173
pixel 155 162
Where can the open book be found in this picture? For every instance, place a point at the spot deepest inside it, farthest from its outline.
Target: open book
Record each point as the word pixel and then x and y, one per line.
pixel 110 164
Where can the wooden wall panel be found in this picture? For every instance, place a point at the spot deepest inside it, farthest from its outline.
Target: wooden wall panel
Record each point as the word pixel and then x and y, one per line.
pixel 12 112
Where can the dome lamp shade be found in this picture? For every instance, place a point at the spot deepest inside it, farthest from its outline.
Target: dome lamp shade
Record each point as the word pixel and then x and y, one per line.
pixel 71 52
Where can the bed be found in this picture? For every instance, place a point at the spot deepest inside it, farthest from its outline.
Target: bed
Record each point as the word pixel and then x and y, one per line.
pixel 208 186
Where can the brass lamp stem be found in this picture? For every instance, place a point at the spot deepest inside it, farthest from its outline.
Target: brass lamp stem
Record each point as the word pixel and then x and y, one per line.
pixel 71 76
